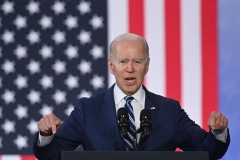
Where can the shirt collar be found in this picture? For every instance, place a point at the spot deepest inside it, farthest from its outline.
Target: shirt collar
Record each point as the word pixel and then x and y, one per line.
pixel 138 96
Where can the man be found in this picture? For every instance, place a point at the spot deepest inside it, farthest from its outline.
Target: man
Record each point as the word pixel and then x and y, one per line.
pixel 94 124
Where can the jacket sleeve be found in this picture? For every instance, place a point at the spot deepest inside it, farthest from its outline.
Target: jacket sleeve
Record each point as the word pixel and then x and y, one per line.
pixel 191 137
pixel 67 138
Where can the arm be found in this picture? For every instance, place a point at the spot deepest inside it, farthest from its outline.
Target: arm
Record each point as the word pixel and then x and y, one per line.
pixel 67 137
pixel 192 137
pixel 221 135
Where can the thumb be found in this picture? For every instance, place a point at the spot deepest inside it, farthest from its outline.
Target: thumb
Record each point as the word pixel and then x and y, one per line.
pixel 212 121
pixel 58 123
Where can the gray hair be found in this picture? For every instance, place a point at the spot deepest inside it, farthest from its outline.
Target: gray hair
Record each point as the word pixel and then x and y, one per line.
pixel 128 37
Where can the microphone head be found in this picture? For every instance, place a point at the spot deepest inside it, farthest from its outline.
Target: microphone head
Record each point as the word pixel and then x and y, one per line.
pixel 145 113
pixel 123 121
pixel 122 112
pixel 146 124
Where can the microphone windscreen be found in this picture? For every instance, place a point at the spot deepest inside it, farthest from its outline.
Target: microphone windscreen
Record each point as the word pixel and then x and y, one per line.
pixel 122 111
pixel 145 113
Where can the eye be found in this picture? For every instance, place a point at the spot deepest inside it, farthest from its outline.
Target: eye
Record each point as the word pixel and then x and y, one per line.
pixel 137 62
pixel 123 61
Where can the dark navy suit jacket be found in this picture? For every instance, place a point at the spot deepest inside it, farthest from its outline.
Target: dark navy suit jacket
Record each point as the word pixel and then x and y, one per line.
pixel 93 124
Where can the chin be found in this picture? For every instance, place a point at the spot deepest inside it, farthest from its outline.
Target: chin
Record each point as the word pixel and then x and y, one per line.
pixel 131 92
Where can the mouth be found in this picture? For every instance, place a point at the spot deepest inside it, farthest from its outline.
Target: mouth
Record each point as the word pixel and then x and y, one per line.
pixel 130 80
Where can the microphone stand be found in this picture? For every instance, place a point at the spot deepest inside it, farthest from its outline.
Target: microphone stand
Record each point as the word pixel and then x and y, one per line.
pixel 145 135
pixel 135 145
pixel 134 140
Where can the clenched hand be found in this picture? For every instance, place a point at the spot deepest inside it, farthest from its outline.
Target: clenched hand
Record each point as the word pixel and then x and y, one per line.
pixel 217 121
pixel 48 125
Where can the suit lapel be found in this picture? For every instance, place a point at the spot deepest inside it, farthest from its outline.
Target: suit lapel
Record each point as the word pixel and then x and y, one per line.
pixel 149 104
pixel 109 111
pixel 108 108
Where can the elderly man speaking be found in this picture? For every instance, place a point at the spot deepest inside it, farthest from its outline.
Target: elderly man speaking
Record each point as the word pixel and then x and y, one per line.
pixel 94 122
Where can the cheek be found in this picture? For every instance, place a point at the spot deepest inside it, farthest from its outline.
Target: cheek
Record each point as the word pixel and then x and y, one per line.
pixel 119 71
pixel 141 72
pixel 114 70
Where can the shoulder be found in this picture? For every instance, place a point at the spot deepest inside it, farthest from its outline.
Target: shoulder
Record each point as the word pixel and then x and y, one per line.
pixel 96 98
pixel 99 97
pixel 163 103
pixel 159 99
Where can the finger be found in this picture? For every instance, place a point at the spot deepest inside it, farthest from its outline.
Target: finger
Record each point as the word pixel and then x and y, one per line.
pixel 222 122
pixel 212 122
pixel 46 123
pixel 46 129
pixel 58 122
pixel 41 125
pixel 218 119
pixel 42 128
pixel 53 124
pixel 225 122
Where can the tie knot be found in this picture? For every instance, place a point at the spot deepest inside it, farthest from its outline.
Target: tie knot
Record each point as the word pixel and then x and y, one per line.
pixel 128 98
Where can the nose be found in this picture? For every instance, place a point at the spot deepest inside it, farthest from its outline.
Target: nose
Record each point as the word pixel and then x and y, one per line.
pixel 130 67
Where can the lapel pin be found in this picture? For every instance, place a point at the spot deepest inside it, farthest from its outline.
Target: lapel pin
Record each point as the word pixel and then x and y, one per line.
pixel 152 108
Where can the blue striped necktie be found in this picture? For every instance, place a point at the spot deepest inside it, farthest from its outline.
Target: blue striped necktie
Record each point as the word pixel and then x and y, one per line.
pixel 128 106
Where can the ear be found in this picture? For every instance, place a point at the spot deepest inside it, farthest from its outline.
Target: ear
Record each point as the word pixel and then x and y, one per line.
pixel 147 66
pixel 110 66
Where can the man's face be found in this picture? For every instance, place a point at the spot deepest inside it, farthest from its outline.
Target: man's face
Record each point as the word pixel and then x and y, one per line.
pixel 129 65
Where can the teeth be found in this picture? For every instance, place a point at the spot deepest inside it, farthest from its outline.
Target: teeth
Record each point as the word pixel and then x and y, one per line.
pixel 130 80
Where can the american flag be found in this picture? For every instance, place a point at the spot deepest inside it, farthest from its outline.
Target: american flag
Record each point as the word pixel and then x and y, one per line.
pixel 54 52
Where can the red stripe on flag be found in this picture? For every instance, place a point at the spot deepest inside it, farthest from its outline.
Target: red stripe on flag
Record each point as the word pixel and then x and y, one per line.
pixel 173 64
pixel 209 59
pixel 136 19
pixel 28 157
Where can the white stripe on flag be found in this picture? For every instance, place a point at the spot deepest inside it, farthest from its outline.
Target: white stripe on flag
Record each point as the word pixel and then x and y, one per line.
pixel 154 34
pixel 191 58
pixel 10 157
pixel 117 24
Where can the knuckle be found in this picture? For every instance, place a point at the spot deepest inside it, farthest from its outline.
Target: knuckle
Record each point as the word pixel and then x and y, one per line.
pixel 213 125
pixel 48 125
pixel 222 126
pixel 213 112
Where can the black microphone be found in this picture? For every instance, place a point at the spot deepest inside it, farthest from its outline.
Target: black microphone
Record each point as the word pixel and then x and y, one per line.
pixel 123 119
pixel 124 126
pixel 146 124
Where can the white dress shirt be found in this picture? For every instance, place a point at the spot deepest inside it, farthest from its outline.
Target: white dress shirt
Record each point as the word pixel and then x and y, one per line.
pixel 138 103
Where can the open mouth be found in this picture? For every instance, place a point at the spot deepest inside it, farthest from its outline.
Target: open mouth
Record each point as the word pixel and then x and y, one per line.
pixel 130 80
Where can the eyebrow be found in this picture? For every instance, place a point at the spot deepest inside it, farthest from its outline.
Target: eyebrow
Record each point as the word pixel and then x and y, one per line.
pixel 120 59
pixel 133 59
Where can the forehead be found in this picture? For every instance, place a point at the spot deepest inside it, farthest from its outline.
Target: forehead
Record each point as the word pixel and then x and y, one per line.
pixel 130 49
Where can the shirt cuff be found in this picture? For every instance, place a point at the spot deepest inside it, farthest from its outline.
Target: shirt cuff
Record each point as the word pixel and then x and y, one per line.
pixel 221 135
pixel 44 140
